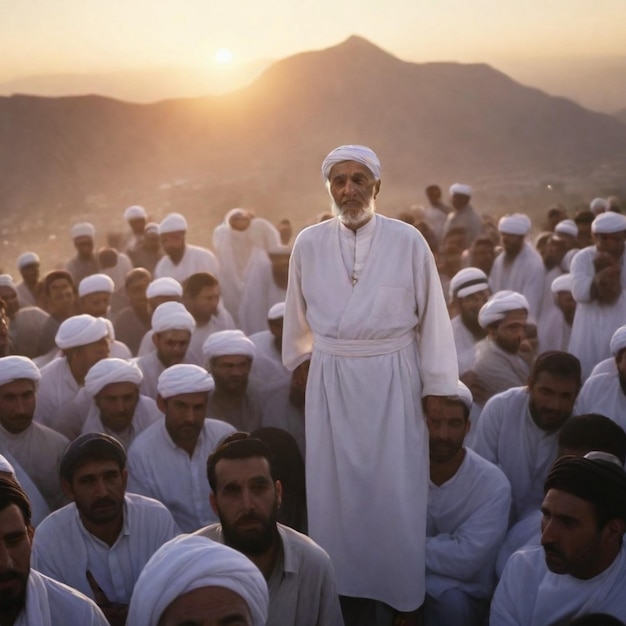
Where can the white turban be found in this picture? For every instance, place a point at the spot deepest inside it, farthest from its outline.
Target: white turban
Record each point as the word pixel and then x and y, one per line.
pixel 599 205
pixel 165 286
pixel 184 378
pixel 28 258
pixel 109 371
pixel 360 154
pixel 5 466
pixel 94 284
pixel 515 224
pixel 501 303
pixel 80 330
pixel 6 280
pixel 135 212
pixel 467 281
pixel 173 223
pixel 277 311
pixel 235 213
pixel 461 189
pixel 566 227
pixel 618 341
pixel 151 227
pixel 172 316
pixel 562 283
pixel 228 343
pixel 84 229
pixel 18 368
pixel 607 223
pixel 190 562
pixel 465 395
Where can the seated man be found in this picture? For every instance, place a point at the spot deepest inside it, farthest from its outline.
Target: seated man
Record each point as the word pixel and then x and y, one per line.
pixel 580 566
pixel 100 542
pixel 190 580
pixel 468 508
pixel 246 497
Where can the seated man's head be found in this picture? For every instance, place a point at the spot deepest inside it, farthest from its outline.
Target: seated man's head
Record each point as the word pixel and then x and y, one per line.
pixel 201 296
pixel 584 433
pixel 172 231
pixel 162 290
pixel 83 236
pixel 60 296
pixel 94 294
pixel 19 377
pixel 172 325
pixel 229 354
pixel 564 299
pixel 469 291
pixel 504 317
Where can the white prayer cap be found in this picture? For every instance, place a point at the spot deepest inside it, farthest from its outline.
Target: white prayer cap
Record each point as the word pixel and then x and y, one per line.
pixel 5 466
pixel 6 280
pixel 151 227
pixel 277 311
pixel 467 281
pixel 135 212
pixel 16 368
pixel 566 227
pixel 496 308
pixel 165 286
pixel 228 343
pixel 461 189
pixel 173 223
pixel 360 154
pixel 184 378
pixel 94 284
pixel 599 205
pixel 609 222
pixel 79 330
pixel 190 562
pixel 562 283
pixel 465 395
pixel 515 224
pixel 618 341
pixel 172 316
pixel 84 229
pixel 238 212
pixel 109 371
pixel 28 258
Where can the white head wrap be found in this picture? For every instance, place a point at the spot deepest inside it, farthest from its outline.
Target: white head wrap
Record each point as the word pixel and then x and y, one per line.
pixel 135 212
pixel 465 395
pixel 190 562
pixel 566 227
pixel 172 316
pixel 562 283
pixel 277 311
pixel 151 227
pixel 165 286
pixel 461 189
pixel 80 330
pixel 28 258
pixel 607 223
pixel 599 205
pixel 496 308
pixel 173 223
pixel 228 343
pixel 5 466
pixel 16 368
pixel 184 378
pixel 108 371
pixel 467 281
pixel 618 341
pixel 94 284
pixel 6 280
pixel 238 212
pixel 360 154
pixel 515 224
pixel 84 229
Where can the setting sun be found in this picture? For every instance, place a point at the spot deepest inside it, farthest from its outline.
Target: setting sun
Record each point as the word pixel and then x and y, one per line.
pixel 223 56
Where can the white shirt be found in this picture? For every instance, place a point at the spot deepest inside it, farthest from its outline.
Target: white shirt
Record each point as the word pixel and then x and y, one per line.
pixel 603 394
pixel 195 259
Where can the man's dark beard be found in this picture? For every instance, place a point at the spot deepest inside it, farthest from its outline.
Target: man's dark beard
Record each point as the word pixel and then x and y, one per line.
pixel 13 601
pixel 252 543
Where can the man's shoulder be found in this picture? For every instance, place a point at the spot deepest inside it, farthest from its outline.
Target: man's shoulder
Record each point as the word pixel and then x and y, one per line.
pixel 490 477
pixel 146 439
pixel 216 429
pixel 52 436
pixel 147 511
pixel 302 548
pixel 56 366
pixel 198 251
pixel 527 563
pixel 212 531
pixel 502 403
pixel 48 529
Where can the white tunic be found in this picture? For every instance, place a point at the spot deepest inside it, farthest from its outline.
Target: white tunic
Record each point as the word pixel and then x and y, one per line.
pixel 603 394
pixel 606 366
pixel 465 344
pixel 531 595
pixel 553 331
pixel 159 469
pixel 57 388
pixel 467 520
pixel 195 259
pixel 64 549
pixel 267 368
pixel 379 344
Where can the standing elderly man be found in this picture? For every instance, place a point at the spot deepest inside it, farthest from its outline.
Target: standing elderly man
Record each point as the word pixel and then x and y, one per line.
pixel 364 298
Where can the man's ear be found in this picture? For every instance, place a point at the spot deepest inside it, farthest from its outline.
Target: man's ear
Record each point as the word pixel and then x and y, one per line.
pixel 376 188
pixel 213 503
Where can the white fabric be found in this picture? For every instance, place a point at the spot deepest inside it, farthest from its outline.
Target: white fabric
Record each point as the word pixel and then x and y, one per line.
pixel 172 316
pixel 606 366
pixel 165 286
pixel 599 205
pixel 108 371
pixel 83 229
pixel 228 343
pixel 603 394
pixel 6 280
pixel 159 469
pixel 360 154
pixel 566 227
pixel 618 341
pixel 467 281
pixel 465 343
pixel 515 224
pixel 80 330
pixel 461 189
pixel 135 212
pixel 607 223
pixel 17 368
pixel 172 223
pixel 184 378
pixel 195 259
pixel 465 395
pixel 151 368
pixel 95 283
pixel 501 303
pixel 64 549
pixel 548 302
pixel 222 320
pixel 368 361
pixel 553 332
pixel 191 562
pixel 562 283
pixel 467 521
pixel 267 368
pixel 27 258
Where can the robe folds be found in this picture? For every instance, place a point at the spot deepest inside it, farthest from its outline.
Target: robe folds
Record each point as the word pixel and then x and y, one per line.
pixel 378 345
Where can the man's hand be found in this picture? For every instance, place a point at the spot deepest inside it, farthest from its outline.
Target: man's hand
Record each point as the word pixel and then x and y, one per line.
pixel 115 612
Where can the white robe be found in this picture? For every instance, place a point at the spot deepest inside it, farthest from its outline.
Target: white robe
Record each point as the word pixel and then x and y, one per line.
pixel 548 304
pixel 378 346
pixel 195 259
pixel 553 332
pixel 267 369
pixel 57 388
pixel 467 520
pixel 64 549
pixel 603 394
pixel 465 344
pixel 606 366
pixel 159 469
pixel 222 321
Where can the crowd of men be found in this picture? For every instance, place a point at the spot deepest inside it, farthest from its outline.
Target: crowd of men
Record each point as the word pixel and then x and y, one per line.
pixel 386 422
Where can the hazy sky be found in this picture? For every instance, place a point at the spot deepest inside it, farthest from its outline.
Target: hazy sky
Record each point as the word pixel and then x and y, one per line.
pixel 46 36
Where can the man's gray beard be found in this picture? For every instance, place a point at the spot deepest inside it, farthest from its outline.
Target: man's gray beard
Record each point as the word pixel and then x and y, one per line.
pixel 351 219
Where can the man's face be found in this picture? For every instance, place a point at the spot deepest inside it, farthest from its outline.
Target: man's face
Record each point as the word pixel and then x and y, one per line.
pixel 98 489
pixel 240 222
pixel 246 501
pixel 551 400
pixel 611 243
pixel 9 295
pixel 117 403
pixel 205 304
pixel 447 432
pixel 173 243
pixel 15 541
pixel 96 304
pixel 17 405
pixel 570 537
pixel 511 331
pixel 230 373
pixel 184 416
pixel 171 346
pixel 353 189
pixel 554 252
pixel 469 306
pixel 512 244
pixel 84 246
pixel 566 302
pixel 61 298
pixel 136 293
pixel 88 355
pixel 137 225
pixel 460 200
pixel 482 256
pixel 30 273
